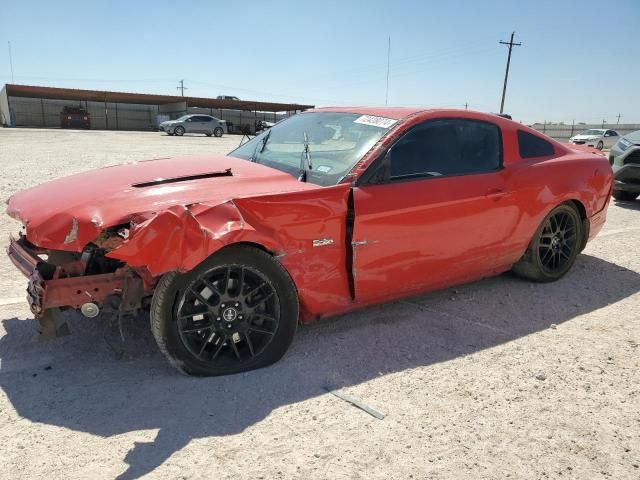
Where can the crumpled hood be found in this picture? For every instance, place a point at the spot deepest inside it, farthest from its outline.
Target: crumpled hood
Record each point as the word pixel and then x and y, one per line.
pixel 70 212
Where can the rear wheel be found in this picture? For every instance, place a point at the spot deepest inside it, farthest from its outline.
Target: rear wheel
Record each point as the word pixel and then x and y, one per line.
pixel 236 311
pixel 624 196
pixel 554 247
pixel 218 131
pixel 179 131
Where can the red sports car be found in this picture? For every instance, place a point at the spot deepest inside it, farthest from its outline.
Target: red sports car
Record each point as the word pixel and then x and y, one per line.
pixel 328 211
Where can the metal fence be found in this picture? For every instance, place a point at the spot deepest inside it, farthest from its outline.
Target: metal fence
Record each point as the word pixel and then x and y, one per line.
pixel 565 132
pixel 36 112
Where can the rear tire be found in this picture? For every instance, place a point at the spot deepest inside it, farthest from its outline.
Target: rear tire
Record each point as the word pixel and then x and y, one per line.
pixel 624 196
pixel 236 311
pixel 554 247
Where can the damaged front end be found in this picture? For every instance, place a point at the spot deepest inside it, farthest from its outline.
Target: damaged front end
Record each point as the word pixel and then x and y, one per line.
pixel 87 281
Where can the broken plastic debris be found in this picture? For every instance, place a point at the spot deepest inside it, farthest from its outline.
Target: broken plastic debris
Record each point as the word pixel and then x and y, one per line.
pixel 356 403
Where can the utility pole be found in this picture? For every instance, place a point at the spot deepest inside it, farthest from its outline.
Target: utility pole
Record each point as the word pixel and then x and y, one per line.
pixel 10 60
pixel 386 95
pixel 506 73
pixel 618 122
pixel 466 105
pixel 181 87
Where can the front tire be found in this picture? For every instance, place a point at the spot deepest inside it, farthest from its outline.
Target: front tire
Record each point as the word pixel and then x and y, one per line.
pixel 600 145
pixel 236 311
pixel 554 247
pixel 179 131
pixel 624 196
pixel 218 131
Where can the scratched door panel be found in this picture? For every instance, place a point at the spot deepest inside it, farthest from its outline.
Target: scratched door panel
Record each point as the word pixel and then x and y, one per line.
pixel 429 233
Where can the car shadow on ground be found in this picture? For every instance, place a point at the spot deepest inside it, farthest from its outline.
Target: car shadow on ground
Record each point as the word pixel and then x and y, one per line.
pixel 632 205
pixel 88 390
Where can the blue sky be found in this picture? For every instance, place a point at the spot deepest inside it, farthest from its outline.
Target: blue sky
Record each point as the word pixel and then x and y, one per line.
pixel 579 60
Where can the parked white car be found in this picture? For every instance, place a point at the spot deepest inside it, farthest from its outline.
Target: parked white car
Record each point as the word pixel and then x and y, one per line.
pixel 597 138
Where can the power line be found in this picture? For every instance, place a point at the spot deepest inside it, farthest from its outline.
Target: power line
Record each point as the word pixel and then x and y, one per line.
pixel 506 73
pixel 181 87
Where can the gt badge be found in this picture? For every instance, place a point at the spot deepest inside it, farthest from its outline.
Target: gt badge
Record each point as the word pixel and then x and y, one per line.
pixel 321 242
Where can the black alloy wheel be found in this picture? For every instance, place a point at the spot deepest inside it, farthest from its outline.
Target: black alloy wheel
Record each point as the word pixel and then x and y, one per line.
pixel 554 247
pixel 228 314
pixel 236 311
pixel 558 241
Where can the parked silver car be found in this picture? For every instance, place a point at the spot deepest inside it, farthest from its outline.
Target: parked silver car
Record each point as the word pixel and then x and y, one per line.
pixel 194 123
pixel 625 162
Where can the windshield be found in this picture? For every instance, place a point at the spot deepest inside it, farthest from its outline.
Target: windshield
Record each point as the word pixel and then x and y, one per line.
pixel 592 132
pixel 336 142
pixel 182 118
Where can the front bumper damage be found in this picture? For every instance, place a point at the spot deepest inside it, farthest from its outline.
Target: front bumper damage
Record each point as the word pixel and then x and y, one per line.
pixel 50 286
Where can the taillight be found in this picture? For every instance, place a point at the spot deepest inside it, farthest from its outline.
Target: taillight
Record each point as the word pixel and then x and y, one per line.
pixel 68 118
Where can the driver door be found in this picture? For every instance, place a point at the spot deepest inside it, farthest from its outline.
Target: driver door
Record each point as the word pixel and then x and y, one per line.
pixel 191 125
pixel 610 138
pixel 441 215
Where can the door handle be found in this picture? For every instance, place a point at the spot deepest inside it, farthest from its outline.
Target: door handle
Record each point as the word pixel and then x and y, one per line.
pixel 495 193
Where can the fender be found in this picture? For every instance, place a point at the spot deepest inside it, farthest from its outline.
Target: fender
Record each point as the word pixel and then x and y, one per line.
pixel 305 231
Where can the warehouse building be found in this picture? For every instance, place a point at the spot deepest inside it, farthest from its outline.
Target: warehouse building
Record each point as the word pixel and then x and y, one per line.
pixel 33 106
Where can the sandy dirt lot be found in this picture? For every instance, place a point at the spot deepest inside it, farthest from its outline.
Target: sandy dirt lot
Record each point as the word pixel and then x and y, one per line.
pixel 496 379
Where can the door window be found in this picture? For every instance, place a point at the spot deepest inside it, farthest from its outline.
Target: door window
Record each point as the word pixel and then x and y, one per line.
pixel 447 147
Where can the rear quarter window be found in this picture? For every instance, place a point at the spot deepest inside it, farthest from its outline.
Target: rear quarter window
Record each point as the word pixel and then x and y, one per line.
pixel 532 146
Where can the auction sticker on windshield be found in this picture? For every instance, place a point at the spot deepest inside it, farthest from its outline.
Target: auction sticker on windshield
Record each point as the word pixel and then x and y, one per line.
pixel 372 120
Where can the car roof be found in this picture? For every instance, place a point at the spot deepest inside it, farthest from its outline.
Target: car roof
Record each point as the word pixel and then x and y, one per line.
pixel 396 113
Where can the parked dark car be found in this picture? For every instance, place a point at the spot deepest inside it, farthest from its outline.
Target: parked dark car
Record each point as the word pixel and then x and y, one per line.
pixel 625 162
pixel 75 117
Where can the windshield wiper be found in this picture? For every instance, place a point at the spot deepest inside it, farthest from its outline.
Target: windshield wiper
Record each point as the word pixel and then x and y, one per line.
pixel 262 145
pixel 305 160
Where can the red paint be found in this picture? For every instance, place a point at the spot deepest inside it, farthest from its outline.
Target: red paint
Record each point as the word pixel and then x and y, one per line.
pixel 408 237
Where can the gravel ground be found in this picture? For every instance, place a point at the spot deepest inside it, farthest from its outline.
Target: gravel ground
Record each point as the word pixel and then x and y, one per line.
pixel 495 379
